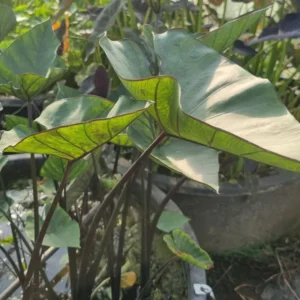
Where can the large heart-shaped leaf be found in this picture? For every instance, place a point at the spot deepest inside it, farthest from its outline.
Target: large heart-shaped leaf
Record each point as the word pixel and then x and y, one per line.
pixel 7 20
pixel 223 37
pixel 30 64
pixel 202 97
pixel 62 231
pixel 12 121
pixel 181 244
pixel 72 141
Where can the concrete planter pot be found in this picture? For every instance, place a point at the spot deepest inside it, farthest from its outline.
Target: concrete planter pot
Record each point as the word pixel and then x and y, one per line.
pixel 238 216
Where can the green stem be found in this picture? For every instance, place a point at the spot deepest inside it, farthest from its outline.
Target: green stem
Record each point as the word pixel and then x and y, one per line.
pixel 193 21
pixel 281 65
pixel 272 62
pixel 200 15
pixel 38 243
pixel 132 15
pixel 224 12
pixel 120 27
pixel 147 15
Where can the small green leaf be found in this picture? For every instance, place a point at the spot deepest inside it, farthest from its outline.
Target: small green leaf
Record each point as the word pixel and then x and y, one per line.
pixel 9 240
pixel 170 220
pixel 223 37
pixel 12 121
pixel 7 20
pixel 181 244
pixel 66 92
pixel 62 231
pixel 54 168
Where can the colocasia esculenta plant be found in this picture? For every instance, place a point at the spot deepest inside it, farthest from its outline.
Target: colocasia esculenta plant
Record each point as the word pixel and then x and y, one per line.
pixel 184 103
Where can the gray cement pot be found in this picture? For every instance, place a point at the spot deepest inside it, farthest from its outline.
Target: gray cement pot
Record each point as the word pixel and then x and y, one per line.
pixel 239 216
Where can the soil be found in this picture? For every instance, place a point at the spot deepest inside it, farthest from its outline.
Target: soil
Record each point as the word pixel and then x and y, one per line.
pixel 266 272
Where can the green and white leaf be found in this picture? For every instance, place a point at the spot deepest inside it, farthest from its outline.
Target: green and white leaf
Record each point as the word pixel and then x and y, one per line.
pixel 54 168
pixel 62 231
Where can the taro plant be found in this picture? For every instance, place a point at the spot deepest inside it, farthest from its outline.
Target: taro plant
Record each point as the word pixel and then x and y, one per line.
pixel 186 102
